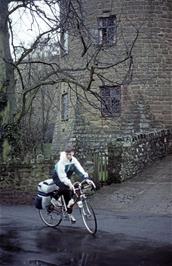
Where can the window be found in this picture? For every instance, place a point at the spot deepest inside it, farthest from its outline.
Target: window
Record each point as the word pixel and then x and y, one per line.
pixel 107 30
pixel 110 100
pixel 64 107
pixel 64 42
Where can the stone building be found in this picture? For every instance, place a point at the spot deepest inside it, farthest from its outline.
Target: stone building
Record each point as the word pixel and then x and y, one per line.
pixel 120 59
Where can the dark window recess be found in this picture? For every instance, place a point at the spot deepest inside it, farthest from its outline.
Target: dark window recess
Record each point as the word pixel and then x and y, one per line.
pixel 64 107
pixel 110 100
pixel 107 29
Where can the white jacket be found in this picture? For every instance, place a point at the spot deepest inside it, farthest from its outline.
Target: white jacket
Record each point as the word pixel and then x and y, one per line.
pixel 64 169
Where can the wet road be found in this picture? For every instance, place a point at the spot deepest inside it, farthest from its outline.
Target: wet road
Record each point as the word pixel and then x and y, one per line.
pixel 123 239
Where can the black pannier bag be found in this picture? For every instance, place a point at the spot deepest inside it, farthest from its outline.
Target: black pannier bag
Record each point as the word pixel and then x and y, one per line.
pixel 38 202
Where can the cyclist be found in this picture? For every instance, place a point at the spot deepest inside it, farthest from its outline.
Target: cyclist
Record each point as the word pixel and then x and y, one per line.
pixel 64 168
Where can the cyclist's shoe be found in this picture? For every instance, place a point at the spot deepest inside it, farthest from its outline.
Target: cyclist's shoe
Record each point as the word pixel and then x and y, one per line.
pixel 72 218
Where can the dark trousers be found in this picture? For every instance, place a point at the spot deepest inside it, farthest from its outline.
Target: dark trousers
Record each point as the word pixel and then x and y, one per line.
pixel 63 190
pixel 67 193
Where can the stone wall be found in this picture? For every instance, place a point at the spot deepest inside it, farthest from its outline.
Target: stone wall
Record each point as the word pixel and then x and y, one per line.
pixel 118 161
pixel 18 181
pixel 129 156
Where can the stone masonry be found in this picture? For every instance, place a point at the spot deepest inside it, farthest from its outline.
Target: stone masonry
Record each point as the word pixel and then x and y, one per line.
pixel 127 157
pixel 146 95
pixel 18 181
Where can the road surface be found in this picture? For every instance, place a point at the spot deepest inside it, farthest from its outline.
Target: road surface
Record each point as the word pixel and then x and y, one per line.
pixel 134 228
pixel 122 239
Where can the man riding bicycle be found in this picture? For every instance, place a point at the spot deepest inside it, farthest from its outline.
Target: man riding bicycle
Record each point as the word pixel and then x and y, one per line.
pixel 64 168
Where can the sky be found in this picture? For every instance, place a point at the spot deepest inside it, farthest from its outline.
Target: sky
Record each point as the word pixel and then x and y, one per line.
pixel 25 29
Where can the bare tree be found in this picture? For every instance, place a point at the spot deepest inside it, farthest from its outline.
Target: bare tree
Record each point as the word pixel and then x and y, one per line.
pixel 59 18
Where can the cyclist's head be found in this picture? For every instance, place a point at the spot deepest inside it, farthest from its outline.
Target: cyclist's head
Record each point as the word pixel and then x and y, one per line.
pixel 69 151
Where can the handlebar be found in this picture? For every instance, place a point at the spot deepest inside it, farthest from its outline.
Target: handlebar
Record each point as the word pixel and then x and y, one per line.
pixel 80 185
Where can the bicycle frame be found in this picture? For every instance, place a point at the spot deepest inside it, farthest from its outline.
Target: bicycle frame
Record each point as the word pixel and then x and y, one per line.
pixel 79 197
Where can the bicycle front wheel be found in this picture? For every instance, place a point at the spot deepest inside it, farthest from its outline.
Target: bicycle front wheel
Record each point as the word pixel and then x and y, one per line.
pixel 51 216
pixel 89 217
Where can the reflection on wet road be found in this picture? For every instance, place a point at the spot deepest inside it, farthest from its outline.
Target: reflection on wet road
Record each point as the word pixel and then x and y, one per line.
pixel 43 246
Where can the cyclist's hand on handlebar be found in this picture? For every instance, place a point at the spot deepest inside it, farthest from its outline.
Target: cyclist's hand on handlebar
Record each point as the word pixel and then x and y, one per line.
pixel 90 182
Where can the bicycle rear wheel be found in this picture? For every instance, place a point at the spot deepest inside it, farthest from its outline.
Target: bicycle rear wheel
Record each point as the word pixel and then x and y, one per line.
pixel 51 216
pixel 88 217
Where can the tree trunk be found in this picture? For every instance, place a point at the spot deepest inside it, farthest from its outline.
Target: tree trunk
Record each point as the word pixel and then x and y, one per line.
pixel 7 81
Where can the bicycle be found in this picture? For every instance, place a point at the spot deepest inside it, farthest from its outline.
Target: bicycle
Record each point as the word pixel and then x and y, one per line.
pixel 53 215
